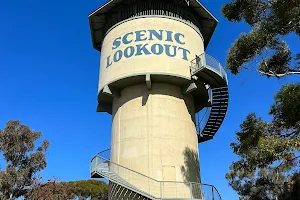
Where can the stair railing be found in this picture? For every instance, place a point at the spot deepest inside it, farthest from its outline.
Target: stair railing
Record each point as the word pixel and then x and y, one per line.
pixel 154 189
pixel 206 61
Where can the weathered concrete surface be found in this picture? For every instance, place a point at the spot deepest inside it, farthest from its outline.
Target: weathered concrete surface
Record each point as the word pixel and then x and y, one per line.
pixel 151 133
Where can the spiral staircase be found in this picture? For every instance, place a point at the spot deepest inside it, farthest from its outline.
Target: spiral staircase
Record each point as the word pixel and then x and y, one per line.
pixel 208 70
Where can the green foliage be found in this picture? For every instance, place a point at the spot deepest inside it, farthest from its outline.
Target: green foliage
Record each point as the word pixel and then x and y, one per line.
pixel 292 188
pixel 51 190
pixel 268 164
pixel 89 188
pixel 23 160
pixel 54 190
pixel 270 21
pixel 286 109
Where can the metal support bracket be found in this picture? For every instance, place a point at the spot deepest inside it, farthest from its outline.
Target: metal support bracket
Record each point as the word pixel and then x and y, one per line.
pixel 110 91
pixel 192 87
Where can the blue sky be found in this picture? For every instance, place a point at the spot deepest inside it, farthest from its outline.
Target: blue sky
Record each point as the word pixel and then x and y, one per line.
pixel 49 77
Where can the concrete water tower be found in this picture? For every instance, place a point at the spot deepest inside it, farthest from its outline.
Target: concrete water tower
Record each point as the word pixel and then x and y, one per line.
pixel 154 79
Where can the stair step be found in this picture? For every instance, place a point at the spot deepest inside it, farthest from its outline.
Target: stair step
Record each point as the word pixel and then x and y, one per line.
pixel 216 97
pixel 212 130
pixel 220 94
pixel 219 101
pixel 218 114
pixel 220 89
pixel 214 117
pixel 219 110
pixel 223 92
pixel 210 125
pixel 207 132
pixel 216 105
pixel 214 124
pixel 205 137
pixel 225 98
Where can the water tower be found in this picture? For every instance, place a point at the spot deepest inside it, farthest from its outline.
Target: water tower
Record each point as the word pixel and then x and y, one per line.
pixel 155 79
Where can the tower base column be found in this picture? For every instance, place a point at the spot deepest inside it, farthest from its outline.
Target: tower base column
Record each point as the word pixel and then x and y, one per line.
pixel 153 133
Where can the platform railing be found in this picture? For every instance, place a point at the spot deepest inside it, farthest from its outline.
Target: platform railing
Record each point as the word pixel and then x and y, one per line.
pixel 206 61
pixel 154 188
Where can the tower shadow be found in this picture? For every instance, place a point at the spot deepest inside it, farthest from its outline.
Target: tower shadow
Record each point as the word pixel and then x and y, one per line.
pixel 191 168
pixel 191 171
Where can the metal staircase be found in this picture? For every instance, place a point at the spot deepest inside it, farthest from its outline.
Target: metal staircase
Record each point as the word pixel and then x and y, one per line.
pixel 208 70
pixel 103 171
pixel 126 183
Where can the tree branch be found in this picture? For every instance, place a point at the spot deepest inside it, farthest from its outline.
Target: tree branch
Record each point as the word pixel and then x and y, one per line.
pixel 277 75
pixel 287 161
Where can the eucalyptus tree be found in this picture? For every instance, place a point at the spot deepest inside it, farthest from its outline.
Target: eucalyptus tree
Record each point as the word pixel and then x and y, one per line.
pixel 21 157
pixel 264 49
pixel 268 151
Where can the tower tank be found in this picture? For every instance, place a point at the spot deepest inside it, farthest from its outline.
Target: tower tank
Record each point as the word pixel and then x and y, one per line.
pixel 154 78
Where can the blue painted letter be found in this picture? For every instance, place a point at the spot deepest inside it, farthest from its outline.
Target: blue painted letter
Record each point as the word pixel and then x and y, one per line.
pixel 169 36
pixel 117 57
pixel 184 53
pixel 125 38
pixel 168 47
pixel 156 34
pixel 140 48
pixel 116 43
pixel 129 51
pixel 157 49
pixel 139 35
pixel 177 38
pixel 108 63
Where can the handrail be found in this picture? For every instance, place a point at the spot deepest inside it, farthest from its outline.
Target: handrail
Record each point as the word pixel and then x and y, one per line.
pixel 214 188
pixel 100 153
pixel 128 169
pixel 191 185
pixel 206 61
pixel 138 172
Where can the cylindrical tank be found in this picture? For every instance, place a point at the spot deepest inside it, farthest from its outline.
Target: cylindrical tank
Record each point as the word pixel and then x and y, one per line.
pixel 145 83
pixel 152 45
